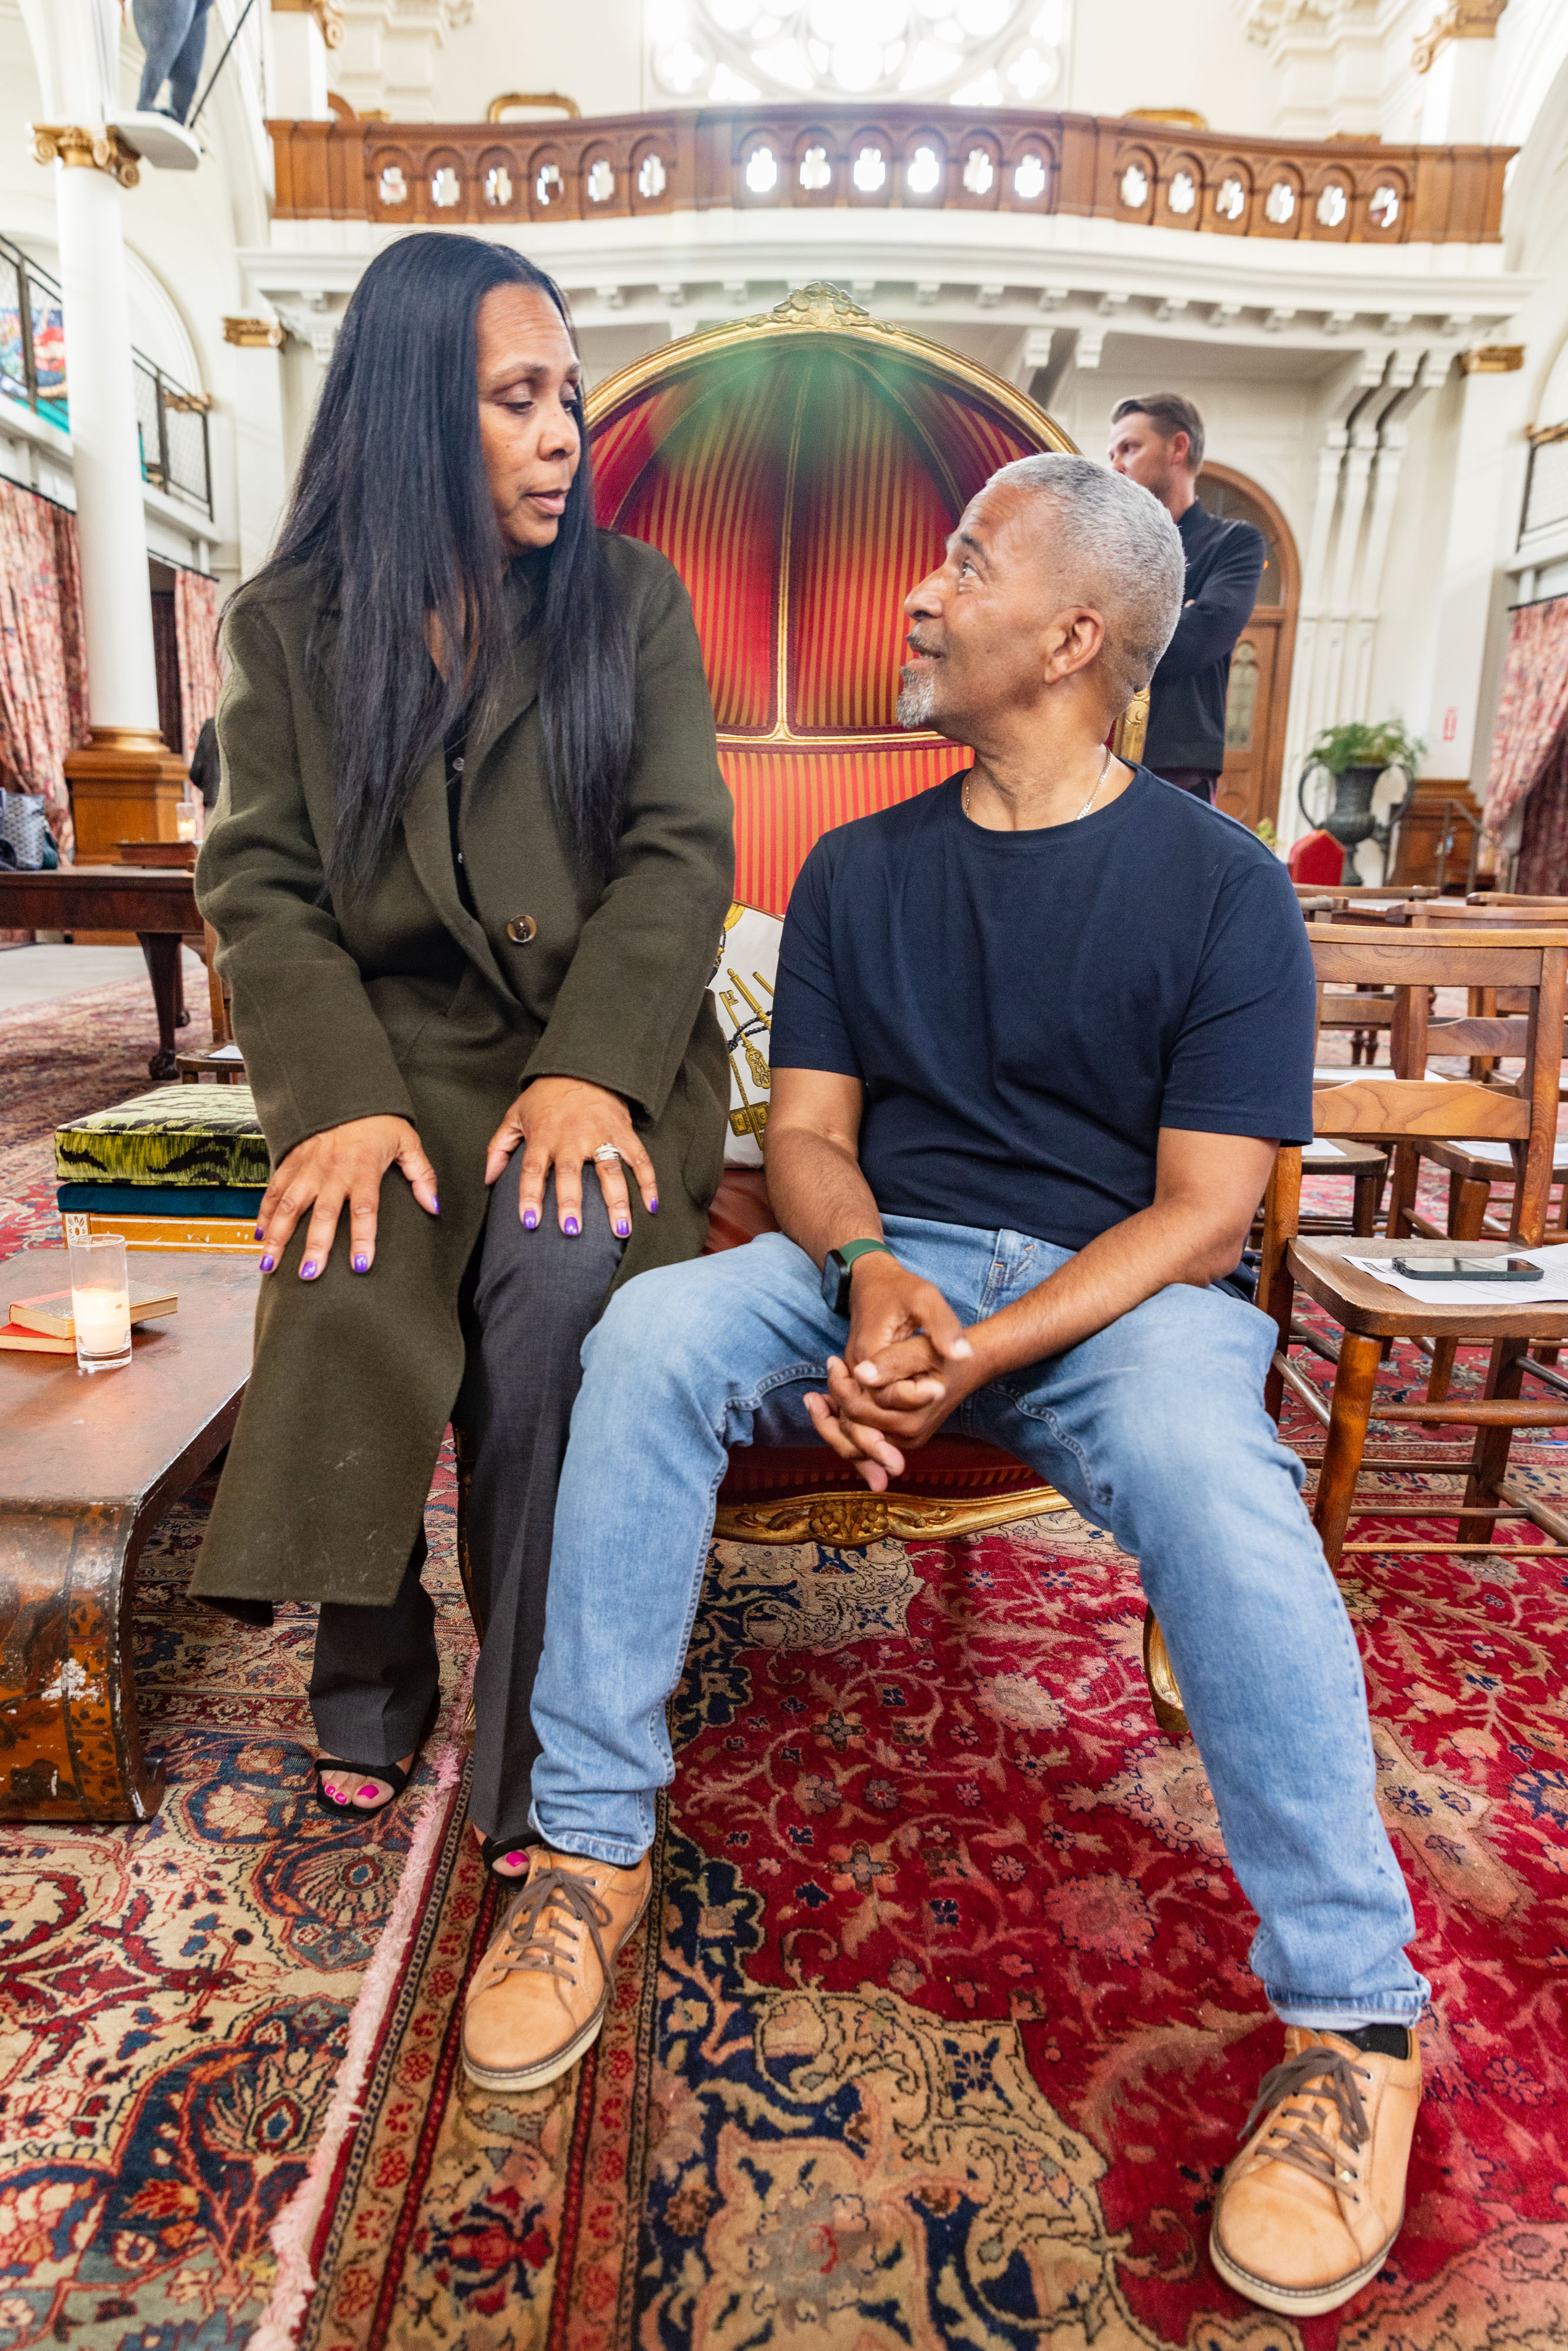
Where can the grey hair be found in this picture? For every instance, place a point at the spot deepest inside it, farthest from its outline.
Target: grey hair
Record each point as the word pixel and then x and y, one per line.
pixel 1118 549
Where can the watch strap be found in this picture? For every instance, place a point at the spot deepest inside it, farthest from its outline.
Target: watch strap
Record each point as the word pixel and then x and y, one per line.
pixel 844 1258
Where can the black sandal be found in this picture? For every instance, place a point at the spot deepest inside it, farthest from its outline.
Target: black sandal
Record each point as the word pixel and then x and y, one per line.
pixel 392 1774
pixel 495 1849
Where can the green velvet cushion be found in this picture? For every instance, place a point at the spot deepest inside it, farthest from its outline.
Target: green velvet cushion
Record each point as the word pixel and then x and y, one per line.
pixel 185 1135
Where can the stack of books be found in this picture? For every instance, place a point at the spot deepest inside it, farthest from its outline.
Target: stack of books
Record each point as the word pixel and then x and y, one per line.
pixel 43 1325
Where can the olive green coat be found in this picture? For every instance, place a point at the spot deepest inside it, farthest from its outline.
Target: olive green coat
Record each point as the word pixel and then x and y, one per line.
pixel 403 1003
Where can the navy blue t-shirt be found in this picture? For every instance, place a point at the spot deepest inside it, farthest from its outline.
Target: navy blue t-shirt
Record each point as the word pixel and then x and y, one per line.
pixel 1026 1010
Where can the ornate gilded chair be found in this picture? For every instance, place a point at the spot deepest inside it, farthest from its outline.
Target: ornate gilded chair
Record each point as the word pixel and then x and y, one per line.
pixel 801 470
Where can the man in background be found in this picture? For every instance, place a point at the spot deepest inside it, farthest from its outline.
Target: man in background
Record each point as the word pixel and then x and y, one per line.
pixel 1157 440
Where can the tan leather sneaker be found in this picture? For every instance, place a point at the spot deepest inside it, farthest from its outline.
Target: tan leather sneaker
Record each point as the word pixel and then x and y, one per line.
pixel 1310 2206
pixel 541 1992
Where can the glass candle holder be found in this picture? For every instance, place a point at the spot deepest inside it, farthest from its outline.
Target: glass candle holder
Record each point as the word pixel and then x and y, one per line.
pixel 185 823
pixel 100 1298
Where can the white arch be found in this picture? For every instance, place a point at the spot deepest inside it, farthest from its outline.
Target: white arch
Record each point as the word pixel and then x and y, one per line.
pixel 157 326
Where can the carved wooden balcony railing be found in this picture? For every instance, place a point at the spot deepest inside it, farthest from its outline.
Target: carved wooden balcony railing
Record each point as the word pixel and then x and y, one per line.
pixel 751 159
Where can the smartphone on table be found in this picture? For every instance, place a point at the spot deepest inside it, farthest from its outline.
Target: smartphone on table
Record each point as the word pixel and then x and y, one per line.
pixel 1459 1268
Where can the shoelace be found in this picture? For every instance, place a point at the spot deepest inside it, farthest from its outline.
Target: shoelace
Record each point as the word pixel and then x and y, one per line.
pixel 529 1933
pixel 1295 2137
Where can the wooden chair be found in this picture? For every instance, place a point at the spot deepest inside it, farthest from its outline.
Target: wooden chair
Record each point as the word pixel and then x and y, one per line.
pixel 803 470
pixel 218 998
pixel 1417 1111
pixel 1406 1110
pixel 220 1062
pixel 1508 898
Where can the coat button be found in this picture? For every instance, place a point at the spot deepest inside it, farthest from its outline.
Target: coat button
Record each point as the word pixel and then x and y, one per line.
pixel 521 929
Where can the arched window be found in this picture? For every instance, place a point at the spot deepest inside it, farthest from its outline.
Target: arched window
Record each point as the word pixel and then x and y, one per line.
pixel 1241 698
pixel 979 53
pixel 1228 502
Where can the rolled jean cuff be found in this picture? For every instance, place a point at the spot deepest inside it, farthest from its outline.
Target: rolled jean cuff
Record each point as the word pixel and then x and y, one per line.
pixel 1350 2015
pixel 614 1852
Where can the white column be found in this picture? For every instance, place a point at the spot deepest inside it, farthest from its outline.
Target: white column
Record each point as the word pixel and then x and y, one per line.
pixel 125 784
pixel 1357 474
pixel 111 527
pixel 256 378
pixel 1455 101
pixel 1409 376
pixel 1482 519
pixel 1316 641
pixel 298 86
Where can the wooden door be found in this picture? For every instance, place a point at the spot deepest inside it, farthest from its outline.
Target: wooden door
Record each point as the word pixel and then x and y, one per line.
pixel 1260 689
pixel 1244 788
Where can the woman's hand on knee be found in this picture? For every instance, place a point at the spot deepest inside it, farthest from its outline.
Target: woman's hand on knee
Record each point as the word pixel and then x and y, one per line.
pixel 562 1122
pixel 341 1165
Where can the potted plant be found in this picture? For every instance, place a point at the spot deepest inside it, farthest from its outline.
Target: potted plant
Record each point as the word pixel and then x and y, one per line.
pixel 1339 786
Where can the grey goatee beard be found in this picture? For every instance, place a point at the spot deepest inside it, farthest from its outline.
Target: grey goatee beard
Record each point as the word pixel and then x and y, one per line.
pixel 918 700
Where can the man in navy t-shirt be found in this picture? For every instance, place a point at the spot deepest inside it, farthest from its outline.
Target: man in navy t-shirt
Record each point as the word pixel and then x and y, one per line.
pixel 1038 1035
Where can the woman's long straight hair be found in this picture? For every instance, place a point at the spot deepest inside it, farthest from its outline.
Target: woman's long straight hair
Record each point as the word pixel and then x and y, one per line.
pixel 393 520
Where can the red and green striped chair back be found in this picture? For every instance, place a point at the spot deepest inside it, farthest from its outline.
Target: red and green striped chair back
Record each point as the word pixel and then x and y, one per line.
pixel 802 470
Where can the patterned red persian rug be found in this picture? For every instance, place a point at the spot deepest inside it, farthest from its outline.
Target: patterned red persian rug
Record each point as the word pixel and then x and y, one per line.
pixel 179 2002
pixel 939 2032
pixel 942 2030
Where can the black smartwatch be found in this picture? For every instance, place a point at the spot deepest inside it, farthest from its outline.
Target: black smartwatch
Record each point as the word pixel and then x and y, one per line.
pixel 836 1269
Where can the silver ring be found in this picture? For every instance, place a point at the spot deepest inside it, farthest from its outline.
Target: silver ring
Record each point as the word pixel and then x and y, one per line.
pixel 607 1150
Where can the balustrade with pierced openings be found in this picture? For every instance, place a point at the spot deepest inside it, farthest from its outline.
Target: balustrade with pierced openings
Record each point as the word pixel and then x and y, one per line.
pixel 1343 190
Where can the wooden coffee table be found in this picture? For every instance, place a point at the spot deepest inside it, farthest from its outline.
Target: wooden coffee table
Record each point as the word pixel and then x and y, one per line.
pixel 87 1466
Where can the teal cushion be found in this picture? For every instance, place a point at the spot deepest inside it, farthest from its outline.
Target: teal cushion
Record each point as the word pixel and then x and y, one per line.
pixel 158 1200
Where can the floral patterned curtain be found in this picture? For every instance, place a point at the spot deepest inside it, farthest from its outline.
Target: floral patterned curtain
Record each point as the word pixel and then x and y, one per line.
pixel 1542 868
pixel 1532 709
pixel 43 666
pixel 196 633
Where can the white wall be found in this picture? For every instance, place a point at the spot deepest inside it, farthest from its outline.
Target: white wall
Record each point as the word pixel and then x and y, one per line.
pixel 1145 53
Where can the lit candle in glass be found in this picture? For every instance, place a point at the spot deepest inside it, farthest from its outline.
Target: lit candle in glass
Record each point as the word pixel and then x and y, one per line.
pixel 100 1298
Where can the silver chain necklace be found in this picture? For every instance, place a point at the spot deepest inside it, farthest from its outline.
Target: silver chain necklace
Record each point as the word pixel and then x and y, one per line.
pixel 963 795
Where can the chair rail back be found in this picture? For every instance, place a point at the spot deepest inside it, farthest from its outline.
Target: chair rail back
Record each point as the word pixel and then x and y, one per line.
pixel 1406 1107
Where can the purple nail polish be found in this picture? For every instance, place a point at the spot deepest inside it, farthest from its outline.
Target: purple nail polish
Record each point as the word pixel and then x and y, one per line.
pixel 261 1232
pixel 514 1859
pixel 338 1797
pixel 654 1206
pixel 367 1790
pixel 308 1270
pixel 570 1226
pixel 621 1228
pixel 362 1265
pixel 267 1263
pixel 436 1204
pixel 531 1218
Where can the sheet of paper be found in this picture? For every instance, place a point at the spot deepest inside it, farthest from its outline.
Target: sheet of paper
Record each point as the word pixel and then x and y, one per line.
pixel 1340 1073
pixel 1552 1287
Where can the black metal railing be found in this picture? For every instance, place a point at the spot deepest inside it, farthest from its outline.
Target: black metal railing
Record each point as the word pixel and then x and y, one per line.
pixel 171 425
pixel 172 422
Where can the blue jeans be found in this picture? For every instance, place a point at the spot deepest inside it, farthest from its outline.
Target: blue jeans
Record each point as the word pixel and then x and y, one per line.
pixel 1154 1429
pixel 174 37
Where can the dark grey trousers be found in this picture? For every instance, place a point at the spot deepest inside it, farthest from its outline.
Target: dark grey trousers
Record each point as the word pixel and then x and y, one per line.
pixel 538 1296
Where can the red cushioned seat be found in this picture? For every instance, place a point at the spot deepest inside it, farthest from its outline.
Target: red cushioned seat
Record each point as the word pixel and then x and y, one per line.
pixel 802 470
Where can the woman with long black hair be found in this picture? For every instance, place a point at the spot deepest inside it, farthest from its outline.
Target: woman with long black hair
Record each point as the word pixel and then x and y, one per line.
pixel 468 869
